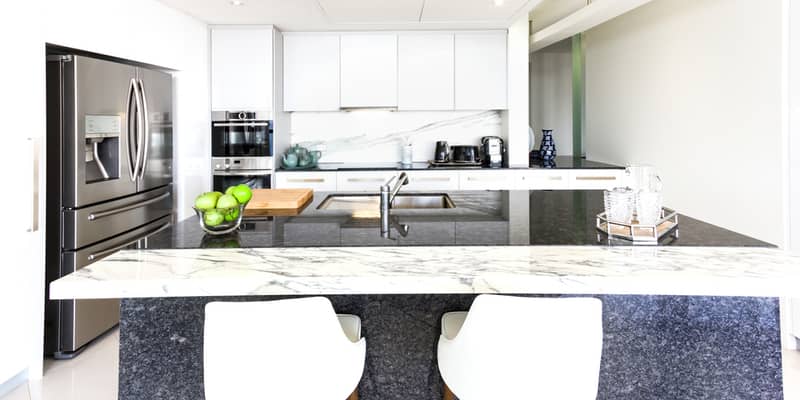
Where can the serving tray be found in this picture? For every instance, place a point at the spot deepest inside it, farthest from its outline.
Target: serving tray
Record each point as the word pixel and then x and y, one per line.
pixel 640 233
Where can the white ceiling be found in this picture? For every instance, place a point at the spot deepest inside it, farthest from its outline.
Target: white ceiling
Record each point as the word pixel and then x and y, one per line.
pixel 328 15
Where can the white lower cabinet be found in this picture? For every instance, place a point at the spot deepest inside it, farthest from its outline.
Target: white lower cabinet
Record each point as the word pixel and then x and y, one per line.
pixel 596 179
pixel 319 181
pixel 362 181
pixel 488 179
pixel 449 180
pixel 432 180
pixel 554 179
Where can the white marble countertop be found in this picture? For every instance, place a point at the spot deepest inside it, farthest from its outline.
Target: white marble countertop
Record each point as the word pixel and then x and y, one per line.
pixel 706 271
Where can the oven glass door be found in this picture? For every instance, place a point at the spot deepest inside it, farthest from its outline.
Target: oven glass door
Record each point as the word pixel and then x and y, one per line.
pixel 256 180
pixel 241 139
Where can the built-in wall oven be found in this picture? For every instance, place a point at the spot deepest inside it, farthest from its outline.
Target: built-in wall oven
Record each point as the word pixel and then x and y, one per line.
pixel 242 149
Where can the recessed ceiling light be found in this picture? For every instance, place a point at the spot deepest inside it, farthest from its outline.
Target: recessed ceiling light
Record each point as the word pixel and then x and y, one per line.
pixel 499 3
pixel 241 3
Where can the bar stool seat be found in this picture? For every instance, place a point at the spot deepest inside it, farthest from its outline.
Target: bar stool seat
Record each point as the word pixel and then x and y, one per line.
pixel 283 349
pixel 351 326
pixel 522 347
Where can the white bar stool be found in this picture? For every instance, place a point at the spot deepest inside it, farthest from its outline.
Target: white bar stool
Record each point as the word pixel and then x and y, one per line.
pixel 283 349
pixel 522 347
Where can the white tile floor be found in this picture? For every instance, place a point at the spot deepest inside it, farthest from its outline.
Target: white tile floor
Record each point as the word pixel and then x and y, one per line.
pixel 90 376
pixel 93 375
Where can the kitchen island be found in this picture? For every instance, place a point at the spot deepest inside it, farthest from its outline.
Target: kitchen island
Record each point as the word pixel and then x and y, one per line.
pixel 696 317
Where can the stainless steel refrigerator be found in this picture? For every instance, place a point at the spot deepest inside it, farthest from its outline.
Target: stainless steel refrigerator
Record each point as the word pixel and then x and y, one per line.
pixel 109 177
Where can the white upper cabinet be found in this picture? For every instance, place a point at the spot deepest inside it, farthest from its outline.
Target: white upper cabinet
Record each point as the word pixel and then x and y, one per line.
pixel 426 71
pixel 368 70
pixel 481 70
pixel 241 68
pixel 310 72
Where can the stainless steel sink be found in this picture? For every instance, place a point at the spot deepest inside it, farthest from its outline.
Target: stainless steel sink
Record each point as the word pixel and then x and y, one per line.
pixel 370 202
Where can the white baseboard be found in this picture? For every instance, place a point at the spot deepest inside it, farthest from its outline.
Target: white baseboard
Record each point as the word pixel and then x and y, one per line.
pixel 11 384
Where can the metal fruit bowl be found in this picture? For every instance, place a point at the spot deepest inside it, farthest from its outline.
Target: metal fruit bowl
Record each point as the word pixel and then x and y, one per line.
pixel 228 224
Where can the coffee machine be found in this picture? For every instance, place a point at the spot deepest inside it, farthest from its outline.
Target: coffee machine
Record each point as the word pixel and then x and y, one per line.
pixel 493 151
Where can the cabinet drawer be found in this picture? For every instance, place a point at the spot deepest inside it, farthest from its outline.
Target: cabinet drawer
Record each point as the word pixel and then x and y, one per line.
pixel 487 180
pixel 432 180
pixel 597 179
pixel 363 181
pixel 320 181
pixel 545 180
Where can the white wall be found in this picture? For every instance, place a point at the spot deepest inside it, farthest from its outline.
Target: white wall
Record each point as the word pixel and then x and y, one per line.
pixel 551 95
pixel 518 114
pixel 793 129
pixel 376 135
pixel 551 11
pixel 166 38
pixel 694 88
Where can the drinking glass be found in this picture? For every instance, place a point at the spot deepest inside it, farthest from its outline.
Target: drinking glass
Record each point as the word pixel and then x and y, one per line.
pixel 648 207
pixel 619 204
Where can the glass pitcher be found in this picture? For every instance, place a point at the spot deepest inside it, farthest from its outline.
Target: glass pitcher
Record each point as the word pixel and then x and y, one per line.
pixel 643 178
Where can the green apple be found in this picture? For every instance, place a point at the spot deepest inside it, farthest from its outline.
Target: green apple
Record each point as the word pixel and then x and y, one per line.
pixel 230 190
pixel 213 218
pixel 242 193
pixel 232 214
pixel 227 201
pixel 206 201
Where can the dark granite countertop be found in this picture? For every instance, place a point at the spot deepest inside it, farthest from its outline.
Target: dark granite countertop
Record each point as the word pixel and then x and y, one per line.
pixel 561 162
pixel 480 218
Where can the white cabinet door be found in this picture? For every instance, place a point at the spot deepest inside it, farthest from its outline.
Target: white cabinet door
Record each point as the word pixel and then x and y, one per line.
pixel 310 72
pixel 369 70
pixel 318 181
pixel 426 71
pixel 362 181
pixel 481 71
pixel 241 68
pixel 596 179
pixel 488 180
pixel 544 180
pixel 431 180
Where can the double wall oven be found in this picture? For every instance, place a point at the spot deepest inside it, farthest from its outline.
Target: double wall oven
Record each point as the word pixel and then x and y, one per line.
pixel 242 149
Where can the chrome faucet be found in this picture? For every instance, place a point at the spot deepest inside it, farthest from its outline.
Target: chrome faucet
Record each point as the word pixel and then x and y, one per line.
pixel 388 193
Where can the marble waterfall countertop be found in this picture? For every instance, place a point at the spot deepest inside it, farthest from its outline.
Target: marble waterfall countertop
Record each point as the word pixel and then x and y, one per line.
pixel 711 271
pixel 492 242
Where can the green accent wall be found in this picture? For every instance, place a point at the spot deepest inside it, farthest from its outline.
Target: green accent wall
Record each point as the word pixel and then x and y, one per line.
pixel 577 95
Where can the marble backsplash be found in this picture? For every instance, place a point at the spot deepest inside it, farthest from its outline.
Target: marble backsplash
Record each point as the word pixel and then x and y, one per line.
pixel 378 135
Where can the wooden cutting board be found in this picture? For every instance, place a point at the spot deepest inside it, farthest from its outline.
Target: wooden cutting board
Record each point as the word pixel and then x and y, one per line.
pixel 278 202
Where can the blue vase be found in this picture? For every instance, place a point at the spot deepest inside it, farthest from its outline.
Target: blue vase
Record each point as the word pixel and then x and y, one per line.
pixel 547 150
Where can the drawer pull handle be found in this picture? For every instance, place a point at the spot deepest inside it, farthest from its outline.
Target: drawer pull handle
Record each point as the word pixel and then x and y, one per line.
pixel 554 178
pixel 381 180
pixel 307 180
pixel 431 179
pixel 596 178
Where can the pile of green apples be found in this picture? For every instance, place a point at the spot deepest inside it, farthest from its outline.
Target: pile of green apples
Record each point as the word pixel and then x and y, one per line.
pixel 217 207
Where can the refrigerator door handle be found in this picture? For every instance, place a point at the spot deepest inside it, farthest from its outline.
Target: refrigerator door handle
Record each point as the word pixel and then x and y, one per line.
pixel 131 113
pixel 105 252
pixel 139 126
pixel 146 137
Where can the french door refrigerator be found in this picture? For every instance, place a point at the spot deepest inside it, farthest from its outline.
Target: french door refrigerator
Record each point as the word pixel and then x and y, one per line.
pixel 109 178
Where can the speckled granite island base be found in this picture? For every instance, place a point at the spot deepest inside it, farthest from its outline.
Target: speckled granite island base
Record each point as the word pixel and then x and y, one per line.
pixel 655 347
